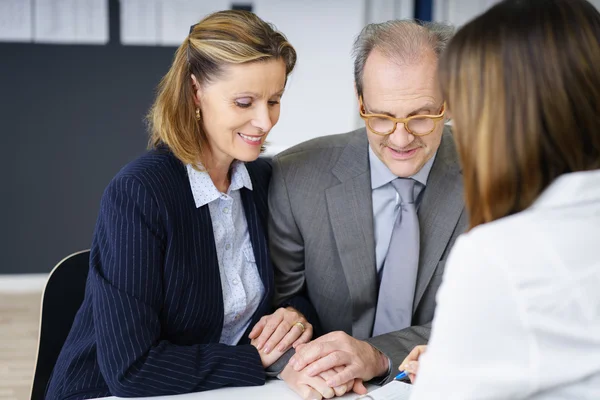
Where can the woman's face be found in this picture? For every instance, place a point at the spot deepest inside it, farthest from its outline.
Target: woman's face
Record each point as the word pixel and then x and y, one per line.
pixel 239 108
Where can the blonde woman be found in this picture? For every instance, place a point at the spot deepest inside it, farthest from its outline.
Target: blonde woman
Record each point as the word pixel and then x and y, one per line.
pixel 518 313
pixel 180 270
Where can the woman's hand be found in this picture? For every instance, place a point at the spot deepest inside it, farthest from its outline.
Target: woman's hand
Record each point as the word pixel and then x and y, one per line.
pixel 307 387
pixel 411 363
pixel 342 389
pixel 267 359
pixel 281 330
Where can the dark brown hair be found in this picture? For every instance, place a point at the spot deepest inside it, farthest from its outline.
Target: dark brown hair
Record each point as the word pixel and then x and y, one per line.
pixel 522 82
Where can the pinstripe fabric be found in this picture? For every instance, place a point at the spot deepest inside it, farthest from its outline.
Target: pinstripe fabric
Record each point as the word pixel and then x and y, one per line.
pixel 153 311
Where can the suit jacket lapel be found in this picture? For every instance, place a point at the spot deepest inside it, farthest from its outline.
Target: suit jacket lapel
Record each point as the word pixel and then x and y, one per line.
pixel 439 211
pixel 351 216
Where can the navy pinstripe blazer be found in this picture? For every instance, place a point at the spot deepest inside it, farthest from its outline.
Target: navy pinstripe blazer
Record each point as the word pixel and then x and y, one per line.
pixel 152 316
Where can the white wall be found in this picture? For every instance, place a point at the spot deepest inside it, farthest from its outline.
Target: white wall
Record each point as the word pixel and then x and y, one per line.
pixel 458 12
pixel 320 98
pixel 595 3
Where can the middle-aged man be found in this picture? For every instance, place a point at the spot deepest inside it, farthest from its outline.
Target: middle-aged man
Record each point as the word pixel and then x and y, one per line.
pixel 361 223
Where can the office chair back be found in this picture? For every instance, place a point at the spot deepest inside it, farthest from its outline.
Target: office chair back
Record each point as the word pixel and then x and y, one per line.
pixel 61 300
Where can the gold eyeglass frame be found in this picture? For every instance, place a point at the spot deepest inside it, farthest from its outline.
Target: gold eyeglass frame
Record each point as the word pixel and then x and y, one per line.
pixel 396 121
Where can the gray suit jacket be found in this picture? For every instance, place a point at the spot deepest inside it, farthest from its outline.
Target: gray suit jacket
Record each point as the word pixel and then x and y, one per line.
pixel 322 241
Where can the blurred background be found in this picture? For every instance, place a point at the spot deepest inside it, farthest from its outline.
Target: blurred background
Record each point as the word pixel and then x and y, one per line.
pixel 78 76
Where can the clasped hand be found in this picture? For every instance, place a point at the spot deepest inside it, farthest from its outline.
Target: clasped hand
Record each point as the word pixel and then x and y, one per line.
pixel 274 334
pixel 334 364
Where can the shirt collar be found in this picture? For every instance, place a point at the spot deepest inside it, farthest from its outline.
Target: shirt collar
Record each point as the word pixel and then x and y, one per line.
pixel 423 174
pixel 381 174
pixel 205 191
pixel 570 189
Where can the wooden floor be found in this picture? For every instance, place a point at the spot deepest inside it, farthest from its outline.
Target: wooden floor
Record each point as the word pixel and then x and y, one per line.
pixel 19 322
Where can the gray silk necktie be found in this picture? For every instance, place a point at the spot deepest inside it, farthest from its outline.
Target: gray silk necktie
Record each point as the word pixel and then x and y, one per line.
pixel 398 276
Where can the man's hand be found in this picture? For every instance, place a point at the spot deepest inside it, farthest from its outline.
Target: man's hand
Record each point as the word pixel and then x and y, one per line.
pixel 306 386
pixel 342 389
pixel 284 328
pixel 359 360
pixel 411 362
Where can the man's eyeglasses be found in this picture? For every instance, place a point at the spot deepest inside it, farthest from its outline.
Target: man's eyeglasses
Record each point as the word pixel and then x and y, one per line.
pixel 418 125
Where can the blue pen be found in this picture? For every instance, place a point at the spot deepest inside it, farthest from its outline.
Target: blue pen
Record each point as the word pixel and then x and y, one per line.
pixel 401 375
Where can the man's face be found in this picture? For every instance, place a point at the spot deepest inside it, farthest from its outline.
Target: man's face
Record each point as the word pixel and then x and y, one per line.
pixel 402 91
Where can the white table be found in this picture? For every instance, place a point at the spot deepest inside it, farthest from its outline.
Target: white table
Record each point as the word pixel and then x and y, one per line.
pixel 273 389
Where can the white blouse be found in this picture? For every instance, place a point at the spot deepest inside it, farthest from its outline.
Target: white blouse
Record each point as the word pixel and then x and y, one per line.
pixel 518 313
pixel 242 286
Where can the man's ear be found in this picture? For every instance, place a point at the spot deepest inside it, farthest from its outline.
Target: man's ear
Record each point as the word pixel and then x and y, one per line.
pixel 448 116
pixel 196 89
pixel 357 95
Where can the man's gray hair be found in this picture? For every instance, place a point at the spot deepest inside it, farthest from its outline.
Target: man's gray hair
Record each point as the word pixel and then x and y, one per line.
pixel 403 41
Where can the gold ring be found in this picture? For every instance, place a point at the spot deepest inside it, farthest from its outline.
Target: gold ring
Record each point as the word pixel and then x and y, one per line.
pixel 300 325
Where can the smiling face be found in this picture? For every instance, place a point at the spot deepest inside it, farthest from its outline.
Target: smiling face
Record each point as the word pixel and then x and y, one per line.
pixel 239 108
pixel 402 91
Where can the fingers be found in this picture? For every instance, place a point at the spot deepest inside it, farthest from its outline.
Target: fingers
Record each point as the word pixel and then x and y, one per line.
pixel 305 337
pixel 335 359
pixel 292 336
pixel 339 390
pixel 271 323
pixel 307 387
pixel 412 369
pixel 280 332
pixel 282 324
pixel 359 387
pixel 308 393
pixel 348 385
pixel 410 365
pixel 257 328
pixel 319 384
pixel 348 373
pixel 414 355
pixel 269 359
pixel 311 352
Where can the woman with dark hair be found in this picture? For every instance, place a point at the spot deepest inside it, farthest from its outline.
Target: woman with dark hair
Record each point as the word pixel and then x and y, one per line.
pixel 518 312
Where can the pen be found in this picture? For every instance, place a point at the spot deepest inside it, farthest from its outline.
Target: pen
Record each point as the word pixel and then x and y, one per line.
pixel 401 375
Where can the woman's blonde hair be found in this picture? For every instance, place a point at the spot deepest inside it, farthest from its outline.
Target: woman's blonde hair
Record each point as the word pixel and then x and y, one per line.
pixel 523 84
pixel 222 38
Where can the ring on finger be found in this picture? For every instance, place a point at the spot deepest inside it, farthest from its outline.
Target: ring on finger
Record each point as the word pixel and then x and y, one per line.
pixel 300 325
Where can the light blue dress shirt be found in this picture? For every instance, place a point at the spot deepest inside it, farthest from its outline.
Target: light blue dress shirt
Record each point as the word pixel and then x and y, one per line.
pixel 242 287
pixel 386 201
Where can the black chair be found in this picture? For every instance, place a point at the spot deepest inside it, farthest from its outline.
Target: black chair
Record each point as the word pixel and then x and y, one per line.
pixel 61 300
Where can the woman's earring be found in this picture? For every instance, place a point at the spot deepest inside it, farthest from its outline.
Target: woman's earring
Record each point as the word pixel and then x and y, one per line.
pixel 197 114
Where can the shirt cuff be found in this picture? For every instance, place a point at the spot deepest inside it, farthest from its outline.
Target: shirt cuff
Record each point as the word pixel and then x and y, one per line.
pixel 380 380
pixel 279 365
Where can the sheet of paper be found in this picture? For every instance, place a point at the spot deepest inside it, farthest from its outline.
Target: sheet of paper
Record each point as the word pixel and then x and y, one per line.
pixel 139 22
pixel 71 21
pixel 392 391
pixel 176 17
pixel 15 21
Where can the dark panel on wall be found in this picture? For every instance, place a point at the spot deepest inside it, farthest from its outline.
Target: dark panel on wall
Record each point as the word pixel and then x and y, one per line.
pixel 71 117
pixel 241 6
pixel 424 10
